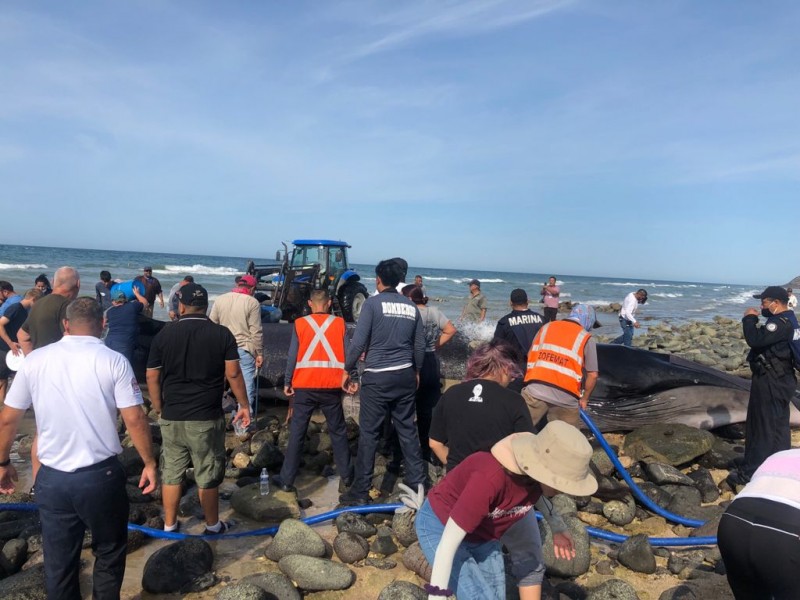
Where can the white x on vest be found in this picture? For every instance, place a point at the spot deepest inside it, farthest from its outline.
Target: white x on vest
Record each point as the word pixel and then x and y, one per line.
pixel 319 338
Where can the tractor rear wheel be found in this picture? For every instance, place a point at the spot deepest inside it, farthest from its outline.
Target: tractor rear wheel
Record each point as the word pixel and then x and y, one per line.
pixel 351 299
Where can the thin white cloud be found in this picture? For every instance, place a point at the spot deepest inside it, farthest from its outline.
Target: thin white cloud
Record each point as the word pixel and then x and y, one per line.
pixel 453 20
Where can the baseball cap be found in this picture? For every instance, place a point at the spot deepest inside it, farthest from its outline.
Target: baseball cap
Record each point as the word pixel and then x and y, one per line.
pixel 120 297
pixel 193 294
pixel 148 268
pixel 518 296
pixel 775 292
pixel 247 280
pixel 474 282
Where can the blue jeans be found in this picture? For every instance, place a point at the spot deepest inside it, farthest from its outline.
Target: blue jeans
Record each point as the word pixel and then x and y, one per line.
pixel 626 339
pixel 69 503
pixel 478 569
pixel 247 362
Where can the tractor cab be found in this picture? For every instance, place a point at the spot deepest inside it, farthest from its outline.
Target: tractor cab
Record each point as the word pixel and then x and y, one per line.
pixel 312 264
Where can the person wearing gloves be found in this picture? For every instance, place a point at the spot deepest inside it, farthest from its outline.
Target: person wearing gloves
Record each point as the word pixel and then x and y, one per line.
pixel 488 502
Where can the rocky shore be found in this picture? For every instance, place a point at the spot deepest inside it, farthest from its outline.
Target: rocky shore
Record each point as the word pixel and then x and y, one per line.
pixel 376 555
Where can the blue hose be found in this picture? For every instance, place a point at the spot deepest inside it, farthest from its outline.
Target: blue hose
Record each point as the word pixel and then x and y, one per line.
pixel 390 508
pixel 647 502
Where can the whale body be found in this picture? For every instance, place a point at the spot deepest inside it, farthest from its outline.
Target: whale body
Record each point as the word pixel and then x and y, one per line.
pixel 635 387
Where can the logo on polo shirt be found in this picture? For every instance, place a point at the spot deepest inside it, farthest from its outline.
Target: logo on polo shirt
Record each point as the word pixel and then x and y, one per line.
pixel 135 386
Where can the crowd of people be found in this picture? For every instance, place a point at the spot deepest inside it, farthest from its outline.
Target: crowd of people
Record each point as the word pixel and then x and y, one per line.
pixel 507 435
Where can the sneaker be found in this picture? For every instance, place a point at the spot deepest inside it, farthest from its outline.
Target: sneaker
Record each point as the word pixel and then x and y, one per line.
pixel 736 478
pixel 226 525
pixel 177 528
pixel 278 483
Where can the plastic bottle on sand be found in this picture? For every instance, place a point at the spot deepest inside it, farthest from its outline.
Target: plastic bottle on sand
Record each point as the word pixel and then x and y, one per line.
pixel 264 482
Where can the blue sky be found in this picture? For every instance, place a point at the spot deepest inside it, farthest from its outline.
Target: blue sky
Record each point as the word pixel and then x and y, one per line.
pixel 630 139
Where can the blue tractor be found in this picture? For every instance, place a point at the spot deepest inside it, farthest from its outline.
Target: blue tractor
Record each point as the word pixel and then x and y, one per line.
pixel 309 265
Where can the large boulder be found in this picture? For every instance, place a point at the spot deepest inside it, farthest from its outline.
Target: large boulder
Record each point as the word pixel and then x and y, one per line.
pixel 403 590
pixel 637 554
pixel 354 523
pixel 613 589
pixel 560 567
pixel 403 527
pixel 350 547
pixel 316 574
pixel 273 508
pixel 243 591
pixel 277 585
pixel 178 568
pixel 670 443
pixel 13 555
pixel 25 585
pixel 295 537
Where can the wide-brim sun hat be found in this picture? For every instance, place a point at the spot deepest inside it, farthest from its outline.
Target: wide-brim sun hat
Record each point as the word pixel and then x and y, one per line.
pixel 558 456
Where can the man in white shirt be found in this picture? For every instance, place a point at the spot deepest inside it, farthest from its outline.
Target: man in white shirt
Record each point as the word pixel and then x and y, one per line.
pixel 76 385
pixel 627 320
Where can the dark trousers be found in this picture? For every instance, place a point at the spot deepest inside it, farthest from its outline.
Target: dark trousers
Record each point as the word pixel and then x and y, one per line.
pixel 304 405
pixel 767 426
pixel 550 314
pixel 426 399
pixel 758 540
pixel 92 497
pixel 391 392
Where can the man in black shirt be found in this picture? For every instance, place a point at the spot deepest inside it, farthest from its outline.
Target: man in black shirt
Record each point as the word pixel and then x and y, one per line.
pixel 186 371
pixel 518 328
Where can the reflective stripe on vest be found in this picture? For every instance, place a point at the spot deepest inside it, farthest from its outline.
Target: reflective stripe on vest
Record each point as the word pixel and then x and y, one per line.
pixel 320 365
pixel 561 342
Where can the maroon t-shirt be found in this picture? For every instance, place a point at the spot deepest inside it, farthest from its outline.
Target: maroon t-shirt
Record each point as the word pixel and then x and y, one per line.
pixel 483 498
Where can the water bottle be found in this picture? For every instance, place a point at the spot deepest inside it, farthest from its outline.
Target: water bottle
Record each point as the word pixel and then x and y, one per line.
pixel 264 482
pixel 237 425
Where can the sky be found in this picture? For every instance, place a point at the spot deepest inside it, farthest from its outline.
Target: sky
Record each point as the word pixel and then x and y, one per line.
pixel 600 138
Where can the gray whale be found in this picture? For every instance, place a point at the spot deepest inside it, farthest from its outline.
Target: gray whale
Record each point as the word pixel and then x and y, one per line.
pixel 636 387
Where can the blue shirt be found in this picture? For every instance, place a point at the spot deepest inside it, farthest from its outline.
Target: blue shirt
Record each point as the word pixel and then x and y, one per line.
pixel 9 302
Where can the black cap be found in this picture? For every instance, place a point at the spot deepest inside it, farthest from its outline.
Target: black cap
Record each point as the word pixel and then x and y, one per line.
pixel 774 292
pixel 147 268
pixel 193 294
pixel 519 296
pixel 475 282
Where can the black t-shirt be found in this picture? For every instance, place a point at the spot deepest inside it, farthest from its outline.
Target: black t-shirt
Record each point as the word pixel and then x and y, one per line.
pixel 191 354
pixel 16 315
pixel 518 328
pixel 474 415
pixel 45 321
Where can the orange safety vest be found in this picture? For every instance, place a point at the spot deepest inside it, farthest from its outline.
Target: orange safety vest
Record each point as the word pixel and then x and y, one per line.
pixel 320 352
pixel 556 356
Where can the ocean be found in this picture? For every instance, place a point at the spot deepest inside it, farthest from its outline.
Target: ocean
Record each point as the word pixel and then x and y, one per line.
pixel 668 301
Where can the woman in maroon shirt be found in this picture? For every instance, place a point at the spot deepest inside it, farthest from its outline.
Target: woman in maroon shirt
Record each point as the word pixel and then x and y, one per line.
pixel 488 500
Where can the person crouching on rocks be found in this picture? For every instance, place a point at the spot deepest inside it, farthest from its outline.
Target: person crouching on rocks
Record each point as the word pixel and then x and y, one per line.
pixel 488 502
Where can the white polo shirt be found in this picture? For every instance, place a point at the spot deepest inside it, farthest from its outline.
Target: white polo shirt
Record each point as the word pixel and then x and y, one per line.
pixel 75 386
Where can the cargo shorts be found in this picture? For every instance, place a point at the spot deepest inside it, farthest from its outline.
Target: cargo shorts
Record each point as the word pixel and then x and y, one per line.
pixel 200 444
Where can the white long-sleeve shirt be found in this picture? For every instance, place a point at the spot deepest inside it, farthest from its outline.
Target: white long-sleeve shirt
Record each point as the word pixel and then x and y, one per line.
pixel 629 306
